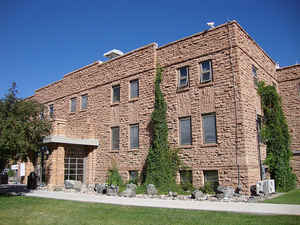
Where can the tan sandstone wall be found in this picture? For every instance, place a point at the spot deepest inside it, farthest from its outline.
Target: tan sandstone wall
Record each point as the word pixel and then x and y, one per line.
pixel 289 84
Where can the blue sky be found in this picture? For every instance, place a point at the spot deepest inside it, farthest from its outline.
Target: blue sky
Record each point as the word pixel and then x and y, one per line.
pixel 40 41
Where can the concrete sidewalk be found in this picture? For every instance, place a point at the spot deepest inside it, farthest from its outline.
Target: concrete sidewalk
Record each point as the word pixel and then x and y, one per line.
pixel 255 208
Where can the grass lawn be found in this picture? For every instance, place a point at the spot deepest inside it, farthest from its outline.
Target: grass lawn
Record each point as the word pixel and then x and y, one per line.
pixel 291 197
pixel 33 211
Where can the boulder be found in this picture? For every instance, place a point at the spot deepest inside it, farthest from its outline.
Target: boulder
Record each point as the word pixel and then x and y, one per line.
pixel 225 192
pixel 151 190
pixel 172 194
pixel 101 188
pixel 73 184
pixel 130 191
pixel 199 195
pixel 112 190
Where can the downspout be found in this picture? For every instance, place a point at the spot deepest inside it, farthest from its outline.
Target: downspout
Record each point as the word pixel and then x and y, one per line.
pixel 235 109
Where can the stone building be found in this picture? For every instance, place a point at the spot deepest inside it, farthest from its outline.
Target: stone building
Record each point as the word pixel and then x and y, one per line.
pixel 101 112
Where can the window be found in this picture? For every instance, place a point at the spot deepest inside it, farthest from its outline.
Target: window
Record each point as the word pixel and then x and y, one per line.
pixel 185 136
pixel 134 88
pixel 254 73
pixel 116 93
pixel 84 101
pixel 209 128
pixel 298 89
pixel 74 168
pixel 186 179
pixel 133 176
pixel 134 136
pixel 205 71
pixel 258 127
pixel 73 104
pixel 212 177
pixel 51 110
pixel 183 80
pixel 115 138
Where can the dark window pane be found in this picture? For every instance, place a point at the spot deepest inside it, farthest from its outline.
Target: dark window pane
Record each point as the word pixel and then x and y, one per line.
pixel 206 73
pixel 84 100
pixel 254 73
pixel 73 104
pixel 134 136
pixel 209 128
pixel 116 93
pixel 134 88
pixel 115 138
pixel 212 177
pixel 51 110
pixel 185 131
pixel 205 66
pixel 183 76
pixel 133 175
pixel 206 77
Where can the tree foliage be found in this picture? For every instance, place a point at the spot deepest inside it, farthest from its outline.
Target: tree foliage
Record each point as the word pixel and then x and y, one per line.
pixel 21 127
pixel 162 162
pixel 275 134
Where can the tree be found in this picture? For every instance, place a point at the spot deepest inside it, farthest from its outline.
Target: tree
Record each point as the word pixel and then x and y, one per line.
pixel 21 128
pixel 275 134
pixel 162 162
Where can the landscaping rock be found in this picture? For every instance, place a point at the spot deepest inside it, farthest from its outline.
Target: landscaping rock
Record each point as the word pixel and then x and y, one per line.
pixel 73 184
pixel 172 194
pixel 101 188
pixel 199 195
pixel 130 191
pixel 151 190
pixel 225 192
pixel 112 190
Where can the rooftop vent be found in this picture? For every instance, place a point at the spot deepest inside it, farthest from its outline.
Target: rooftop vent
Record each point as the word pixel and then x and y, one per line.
pixel 113 53
pixel 211 24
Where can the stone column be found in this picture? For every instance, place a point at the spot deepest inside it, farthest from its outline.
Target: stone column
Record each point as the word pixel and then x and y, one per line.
pixel 55 167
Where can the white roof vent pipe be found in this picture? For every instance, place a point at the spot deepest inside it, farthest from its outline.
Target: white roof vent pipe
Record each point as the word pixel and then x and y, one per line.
pixel 113 53
pixel 211 24
pixel 277 66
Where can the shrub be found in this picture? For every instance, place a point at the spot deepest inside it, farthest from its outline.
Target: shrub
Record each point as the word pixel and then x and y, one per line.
pixel 208 188
pixel 162 162
pixel 276 135
pixel 114 177
pixel 11 173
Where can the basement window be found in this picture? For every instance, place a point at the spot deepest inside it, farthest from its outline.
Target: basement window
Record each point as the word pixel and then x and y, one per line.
pixel 211 177
pixel 133 176
pixel 186 178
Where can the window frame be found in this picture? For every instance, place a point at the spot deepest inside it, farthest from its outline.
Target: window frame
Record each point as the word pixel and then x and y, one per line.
pixel 215 126
pixel 180 77
pixel 138 136
pixel 202 72
pixel 130 88
pixel 113 93
pixel 86 102
pixel 190 131
pixel 113 137
pixel 73 104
